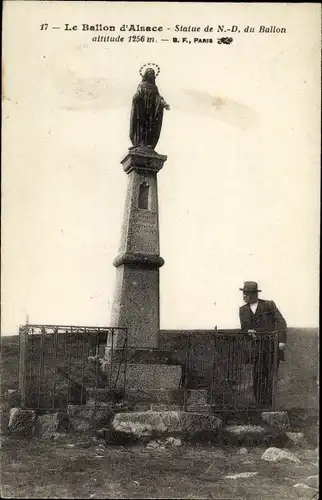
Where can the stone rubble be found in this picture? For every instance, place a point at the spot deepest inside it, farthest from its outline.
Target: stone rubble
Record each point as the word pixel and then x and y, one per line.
pixel 241 475
pixel 242 451
pixel 239 430
pixel 147 424
pixel 304 488
pixel 278 419
pixel 278 455
pixel 297 438
pixel 52 423
pixel 173 441
pixel 59 436
pixel 161 444
pixel 312 481
pixel 22 422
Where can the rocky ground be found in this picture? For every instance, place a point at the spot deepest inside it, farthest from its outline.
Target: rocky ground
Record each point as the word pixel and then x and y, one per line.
pixel 86 467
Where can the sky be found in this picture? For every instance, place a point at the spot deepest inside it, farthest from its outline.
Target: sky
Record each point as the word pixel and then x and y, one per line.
pixel 239 194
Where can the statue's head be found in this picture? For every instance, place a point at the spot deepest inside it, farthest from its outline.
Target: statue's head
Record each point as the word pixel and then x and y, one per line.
pixel 149 75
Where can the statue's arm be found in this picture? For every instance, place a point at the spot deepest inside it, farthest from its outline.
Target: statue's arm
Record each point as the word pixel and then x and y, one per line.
pixel 164 104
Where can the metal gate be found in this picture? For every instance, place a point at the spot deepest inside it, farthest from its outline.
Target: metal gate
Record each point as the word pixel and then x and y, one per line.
pixel 239 372
pixel 58 364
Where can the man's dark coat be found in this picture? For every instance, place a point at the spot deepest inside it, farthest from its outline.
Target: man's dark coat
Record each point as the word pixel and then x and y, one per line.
pixel 266 319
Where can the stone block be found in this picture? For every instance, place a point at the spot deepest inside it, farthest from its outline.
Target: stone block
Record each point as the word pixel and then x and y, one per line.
pixel 22 422
pixel 242 435
pixel 52 423
pixel 145 395
pixel 48 424
pixel 92 402
pixel 142 406
pixel 312 481
pixel 306 491
pixel 276 419
pixel 139 424
pixel 164 377
pixel 88 417
pixel 60 436
pixel 250 435
pixel 191 423
pixel 152 423
pixel 241 475
pixel 197 397
pixel 102 396
pixel 297 439
pixel 165 407
pixel 278 455
pixel 243 430
pixel 13 398
pixel 173 442
pixel 10 399
pixel 199 408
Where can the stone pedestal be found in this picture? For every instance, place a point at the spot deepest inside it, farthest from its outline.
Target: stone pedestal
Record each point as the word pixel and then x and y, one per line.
pixel 148 396
pixel 136 298
pixel 149 376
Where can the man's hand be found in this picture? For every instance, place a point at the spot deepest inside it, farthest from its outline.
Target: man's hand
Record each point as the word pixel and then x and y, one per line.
pixel 281 346
pixel 252 333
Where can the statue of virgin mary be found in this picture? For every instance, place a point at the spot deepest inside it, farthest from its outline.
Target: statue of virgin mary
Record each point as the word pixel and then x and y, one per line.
pixel 147 112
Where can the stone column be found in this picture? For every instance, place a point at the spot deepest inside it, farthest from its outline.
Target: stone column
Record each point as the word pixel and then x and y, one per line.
pixel 136 298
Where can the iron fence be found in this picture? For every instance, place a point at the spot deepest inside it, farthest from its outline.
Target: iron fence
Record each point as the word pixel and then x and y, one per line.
pixel 58 364
pixel 238 371
pixel 62 365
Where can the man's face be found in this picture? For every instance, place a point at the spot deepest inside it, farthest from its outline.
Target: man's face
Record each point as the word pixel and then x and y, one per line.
pixel 250 298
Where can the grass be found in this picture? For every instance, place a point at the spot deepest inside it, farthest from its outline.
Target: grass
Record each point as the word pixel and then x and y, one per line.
pixel 39 469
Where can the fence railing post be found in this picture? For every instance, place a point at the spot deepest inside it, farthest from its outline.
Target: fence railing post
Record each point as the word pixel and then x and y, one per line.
pixel 125 364
pixel 23 359
pixel 111 361
pixel 55 346
pixel 186 374
pixel 274 374
pixel 213 369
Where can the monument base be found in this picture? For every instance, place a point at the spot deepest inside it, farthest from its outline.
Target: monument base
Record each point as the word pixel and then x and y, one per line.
pixel 142 356
pixel 142 370
pixel 193 398
pixel 147 376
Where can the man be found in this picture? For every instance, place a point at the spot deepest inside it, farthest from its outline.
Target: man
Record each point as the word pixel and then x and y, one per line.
pixel 258 317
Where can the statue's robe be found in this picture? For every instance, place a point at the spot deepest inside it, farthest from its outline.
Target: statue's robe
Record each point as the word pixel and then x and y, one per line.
pixel 146 115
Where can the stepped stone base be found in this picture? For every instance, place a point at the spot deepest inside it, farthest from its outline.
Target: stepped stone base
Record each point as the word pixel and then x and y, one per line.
pixel 194 399
pixel 135 396
pixel 144 395
pixel 154 423
pixel 199 408
pixel 276 419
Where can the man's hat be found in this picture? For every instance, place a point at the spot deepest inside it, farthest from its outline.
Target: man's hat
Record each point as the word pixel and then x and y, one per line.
pixel 250 286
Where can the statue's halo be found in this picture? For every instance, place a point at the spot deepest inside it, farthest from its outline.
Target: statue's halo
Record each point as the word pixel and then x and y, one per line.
pixel 149 65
